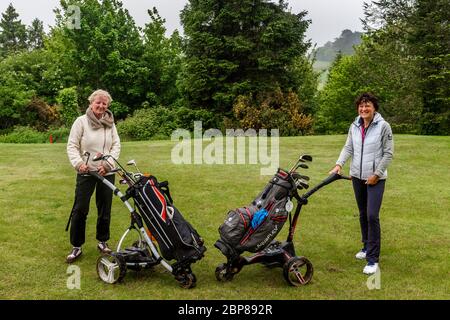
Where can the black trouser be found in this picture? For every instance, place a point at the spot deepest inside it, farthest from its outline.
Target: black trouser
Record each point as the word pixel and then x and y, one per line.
pixel 103 196
pixel 369 200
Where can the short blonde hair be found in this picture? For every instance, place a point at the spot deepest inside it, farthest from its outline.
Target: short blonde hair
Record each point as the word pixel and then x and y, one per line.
pixel 100 92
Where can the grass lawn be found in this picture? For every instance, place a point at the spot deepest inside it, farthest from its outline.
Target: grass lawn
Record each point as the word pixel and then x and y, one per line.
pixel 37 189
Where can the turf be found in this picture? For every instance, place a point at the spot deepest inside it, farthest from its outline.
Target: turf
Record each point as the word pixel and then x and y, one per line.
pixel 37 189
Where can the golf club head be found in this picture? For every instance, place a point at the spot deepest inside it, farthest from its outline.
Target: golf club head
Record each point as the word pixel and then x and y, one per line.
pixel 306 157
pixel 302 165
pixel 306 178
pixel 297 176
pixel 131 163
pixel 303 183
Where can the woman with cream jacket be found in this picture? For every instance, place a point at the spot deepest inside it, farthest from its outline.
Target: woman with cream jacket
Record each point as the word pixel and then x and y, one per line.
pixel 93 133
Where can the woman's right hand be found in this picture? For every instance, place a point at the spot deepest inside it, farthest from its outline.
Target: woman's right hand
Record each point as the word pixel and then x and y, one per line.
pixel 337 169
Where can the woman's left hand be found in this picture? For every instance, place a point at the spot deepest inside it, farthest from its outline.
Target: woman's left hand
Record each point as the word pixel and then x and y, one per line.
pixel 101 170
pixel 372 180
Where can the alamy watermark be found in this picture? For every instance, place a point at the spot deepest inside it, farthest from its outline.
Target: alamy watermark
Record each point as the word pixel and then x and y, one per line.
pixel 74 278
pixel 231 149
pixel 374 281
pixel 74 17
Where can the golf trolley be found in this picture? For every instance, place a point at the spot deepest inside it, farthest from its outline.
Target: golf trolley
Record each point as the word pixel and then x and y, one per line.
pixel 146 251
pixel 297 270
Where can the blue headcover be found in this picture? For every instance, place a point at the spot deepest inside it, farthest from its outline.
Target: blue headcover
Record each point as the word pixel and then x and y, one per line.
pixel 259 217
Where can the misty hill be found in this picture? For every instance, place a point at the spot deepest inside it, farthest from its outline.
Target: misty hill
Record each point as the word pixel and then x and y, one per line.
pixel 344 44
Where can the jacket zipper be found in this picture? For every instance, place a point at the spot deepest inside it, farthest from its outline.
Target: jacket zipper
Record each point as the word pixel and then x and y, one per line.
pixel 362 150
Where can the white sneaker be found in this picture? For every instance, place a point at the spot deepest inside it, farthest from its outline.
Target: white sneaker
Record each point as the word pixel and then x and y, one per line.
pixel 361 255
pixel 370 268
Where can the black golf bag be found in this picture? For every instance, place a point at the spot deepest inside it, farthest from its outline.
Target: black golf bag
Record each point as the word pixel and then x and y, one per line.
pixel 176 238
pixel 252 228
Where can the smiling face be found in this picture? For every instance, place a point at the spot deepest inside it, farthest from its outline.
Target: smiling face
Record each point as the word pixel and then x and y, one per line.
pixel 366 110
pixel 99 105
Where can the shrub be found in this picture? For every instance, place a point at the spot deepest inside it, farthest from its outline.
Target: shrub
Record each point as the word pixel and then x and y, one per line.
pixel 146 124
pixel 274 110
pixel 68 101
pixel 24 135
pixel 40 115
pixel 21 134
pixel 160 122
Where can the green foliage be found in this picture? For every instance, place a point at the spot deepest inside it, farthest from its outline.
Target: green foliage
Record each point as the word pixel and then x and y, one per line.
pixel 307 80
pixel 35 34
pixel 404 60
pixel 22 134
pixel 26 134
pixel 336 100
pixel 160 122
pixel 120 111
pixel 68 101
pixel 146 124
pixel 376 68
pixel 161 62
pixel 421 31
pixel 239 47
pixel 14 97
pixel 273 111
pixel 186 117
pixel 104 51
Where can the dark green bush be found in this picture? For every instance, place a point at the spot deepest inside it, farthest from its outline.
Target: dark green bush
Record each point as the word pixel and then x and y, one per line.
pixel 68 101
pixel 160 122
pixel 21 134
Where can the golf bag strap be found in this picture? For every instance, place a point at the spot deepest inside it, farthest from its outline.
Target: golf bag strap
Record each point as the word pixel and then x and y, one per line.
pixel 164 186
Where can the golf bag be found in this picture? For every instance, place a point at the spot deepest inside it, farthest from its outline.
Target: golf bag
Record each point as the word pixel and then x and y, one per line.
pixel 252 228
pixel 176 238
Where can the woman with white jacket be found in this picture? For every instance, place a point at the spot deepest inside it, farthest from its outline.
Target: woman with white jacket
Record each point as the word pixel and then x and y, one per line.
pixel 92 133
pixel 370 145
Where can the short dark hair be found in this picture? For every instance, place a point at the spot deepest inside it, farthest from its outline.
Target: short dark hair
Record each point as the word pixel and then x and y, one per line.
pixel 367 97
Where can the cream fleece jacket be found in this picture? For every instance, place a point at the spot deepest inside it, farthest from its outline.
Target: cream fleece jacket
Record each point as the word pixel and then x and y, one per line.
pixel 83 138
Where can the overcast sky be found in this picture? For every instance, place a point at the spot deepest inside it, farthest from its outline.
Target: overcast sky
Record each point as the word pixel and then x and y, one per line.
pixel 329 17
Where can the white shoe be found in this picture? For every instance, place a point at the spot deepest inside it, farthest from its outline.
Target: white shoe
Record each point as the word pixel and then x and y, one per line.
pixel 370 268
pixel 361 255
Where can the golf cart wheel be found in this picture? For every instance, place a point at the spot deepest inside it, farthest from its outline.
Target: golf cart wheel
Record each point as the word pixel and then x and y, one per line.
pixel 187 280
pixel 298 271
pixel 111 268
pixel 223 274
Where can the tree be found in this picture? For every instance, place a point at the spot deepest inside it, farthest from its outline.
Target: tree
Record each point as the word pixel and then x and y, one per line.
pixel 422 29
pixel 378 68
pixel 430 41
pixel 239 47
pixel 12 32
pixel 35 34
pixel 22 77
pixel 160 62
pixel 104 51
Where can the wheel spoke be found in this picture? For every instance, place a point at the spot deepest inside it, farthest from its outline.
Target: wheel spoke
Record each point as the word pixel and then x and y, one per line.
pixel 108 264
pixel 299 277
pixel 111 272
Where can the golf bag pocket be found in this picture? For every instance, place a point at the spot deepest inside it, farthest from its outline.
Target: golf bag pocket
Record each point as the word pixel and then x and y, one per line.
pixel 236 224
pixel 256 239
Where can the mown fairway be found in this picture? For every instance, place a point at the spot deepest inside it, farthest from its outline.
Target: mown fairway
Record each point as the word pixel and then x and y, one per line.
pixel 37 187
